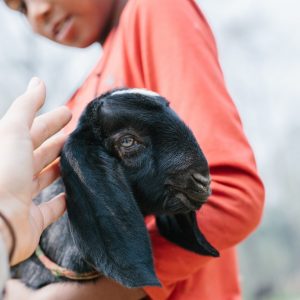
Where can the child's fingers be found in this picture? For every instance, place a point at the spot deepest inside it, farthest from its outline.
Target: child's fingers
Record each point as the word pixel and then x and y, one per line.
pixel 45 178
pixel 24 108
pixel 48 124
pixel 53 209
pixel 47 152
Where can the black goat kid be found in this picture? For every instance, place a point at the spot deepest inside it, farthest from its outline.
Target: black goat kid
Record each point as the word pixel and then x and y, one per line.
pixel 130 156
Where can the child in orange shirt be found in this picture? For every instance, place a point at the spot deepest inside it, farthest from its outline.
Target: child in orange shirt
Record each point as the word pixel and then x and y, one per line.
pixel 167 46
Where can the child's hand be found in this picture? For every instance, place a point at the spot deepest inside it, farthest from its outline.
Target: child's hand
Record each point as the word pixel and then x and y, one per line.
pixel 27 148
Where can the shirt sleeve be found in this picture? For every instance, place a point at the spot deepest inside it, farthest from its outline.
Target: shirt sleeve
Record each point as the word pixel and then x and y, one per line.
pixel 176 53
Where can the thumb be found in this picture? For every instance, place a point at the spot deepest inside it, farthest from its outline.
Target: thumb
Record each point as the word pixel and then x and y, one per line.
pixel 53 209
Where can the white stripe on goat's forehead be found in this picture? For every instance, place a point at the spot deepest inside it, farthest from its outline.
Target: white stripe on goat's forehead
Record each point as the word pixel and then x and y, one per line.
pixel 136 91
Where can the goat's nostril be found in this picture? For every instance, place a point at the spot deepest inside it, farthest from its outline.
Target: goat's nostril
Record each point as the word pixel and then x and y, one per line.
pixel 201 179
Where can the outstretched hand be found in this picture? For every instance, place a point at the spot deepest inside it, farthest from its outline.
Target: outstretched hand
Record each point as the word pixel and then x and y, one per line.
pixel 28 150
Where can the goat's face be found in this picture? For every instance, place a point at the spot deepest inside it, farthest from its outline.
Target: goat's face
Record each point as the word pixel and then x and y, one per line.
pixel 130 156
pixel 161 159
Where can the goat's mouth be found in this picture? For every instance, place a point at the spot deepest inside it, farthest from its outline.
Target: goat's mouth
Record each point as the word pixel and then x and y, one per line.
pixel 187 192
pixel 195 195
pixel 180 200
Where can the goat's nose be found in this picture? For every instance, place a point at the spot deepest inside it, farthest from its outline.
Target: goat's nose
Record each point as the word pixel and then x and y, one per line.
pixel 190 188
pixel 193 184
pixel 201 180
pixel 200 183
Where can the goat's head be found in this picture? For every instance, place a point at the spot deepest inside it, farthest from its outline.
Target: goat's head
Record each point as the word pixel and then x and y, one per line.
pixel 131 156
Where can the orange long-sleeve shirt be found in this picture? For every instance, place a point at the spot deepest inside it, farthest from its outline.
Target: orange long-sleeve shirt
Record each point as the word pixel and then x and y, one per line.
pixel 167 46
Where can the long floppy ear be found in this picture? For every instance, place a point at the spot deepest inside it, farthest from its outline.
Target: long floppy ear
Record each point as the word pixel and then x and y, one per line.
pixel 182 229
pixel 106 223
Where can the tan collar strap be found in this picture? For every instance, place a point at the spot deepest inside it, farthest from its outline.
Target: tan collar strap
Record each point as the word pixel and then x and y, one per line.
pixel 58 271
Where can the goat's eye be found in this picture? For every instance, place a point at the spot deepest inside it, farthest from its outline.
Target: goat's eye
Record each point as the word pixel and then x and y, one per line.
pixel 127 146
pixel 127 141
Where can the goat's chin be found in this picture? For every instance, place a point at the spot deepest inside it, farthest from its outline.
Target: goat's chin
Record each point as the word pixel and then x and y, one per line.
pixel 179 203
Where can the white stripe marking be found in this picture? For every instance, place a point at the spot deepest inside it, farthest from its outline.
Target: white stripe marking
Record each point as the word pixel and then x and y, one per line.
pixel 136 91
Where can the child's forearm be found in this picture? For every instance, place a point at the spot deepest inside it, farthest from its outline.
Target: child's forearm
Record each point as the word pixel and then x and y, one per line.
pixel 4 266
pixel 6 233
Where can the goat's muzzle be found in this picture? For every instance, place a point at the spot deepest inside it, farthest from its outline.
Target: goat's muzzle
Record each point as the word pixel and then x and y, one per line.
pixel 186 192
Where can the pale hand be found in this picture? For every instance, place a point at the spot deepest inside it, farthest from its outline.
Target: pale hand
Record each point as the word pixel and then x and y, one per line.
pixel 28 147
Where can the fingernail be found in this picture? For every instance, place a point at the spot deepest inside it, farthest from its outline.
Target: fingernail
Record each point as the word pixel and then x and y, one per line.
pixel 34 82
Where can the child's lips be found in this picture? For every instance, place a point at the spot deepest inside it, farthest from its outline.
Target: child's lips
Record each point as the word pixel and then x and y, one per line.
pixel 62 29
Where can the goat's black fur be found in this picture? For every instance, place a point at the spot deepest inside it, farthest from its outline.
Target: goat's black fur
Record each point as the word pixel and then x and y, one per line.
pixel 129 156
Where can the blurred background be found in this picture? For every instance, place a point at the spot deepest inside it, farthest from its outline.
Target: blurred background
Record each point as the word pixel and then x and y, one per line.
pixel 259 48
